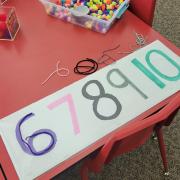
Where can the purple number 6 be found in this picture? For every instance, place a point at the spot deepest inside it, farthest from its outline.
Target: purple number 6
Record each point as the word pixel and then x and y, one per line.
pixel 27 144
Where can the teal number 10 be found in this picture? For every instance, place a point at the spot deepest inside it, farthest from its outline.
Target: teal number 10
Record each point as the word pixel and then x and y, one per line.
pixel 151 75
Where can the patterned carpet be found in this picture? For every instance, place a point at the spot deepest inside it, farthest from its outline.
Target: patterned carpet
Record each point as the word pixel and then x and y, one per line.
pixel 145 162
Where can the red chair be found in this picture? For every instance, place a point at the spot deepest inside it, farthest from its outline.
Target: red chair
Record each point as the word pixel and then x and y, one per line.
pixel 142 131
pixel 144 9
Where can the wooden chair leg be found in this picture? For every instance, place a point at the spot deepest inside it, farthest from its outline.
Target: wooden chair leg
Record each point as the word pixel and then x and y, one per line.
pixel 162 148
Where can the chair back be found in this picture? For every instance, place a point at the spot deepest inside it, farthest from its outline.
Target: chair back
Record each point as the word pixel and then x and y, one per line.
pixel 144 9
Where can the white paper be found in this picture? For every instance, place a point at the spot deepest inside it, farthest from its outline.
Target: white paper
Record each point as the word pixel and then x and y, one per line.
pixel 69 140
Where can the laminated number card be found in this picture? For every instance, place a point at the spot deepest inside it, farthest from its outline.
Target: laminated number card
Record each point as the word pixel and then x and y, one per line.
pixel 48 132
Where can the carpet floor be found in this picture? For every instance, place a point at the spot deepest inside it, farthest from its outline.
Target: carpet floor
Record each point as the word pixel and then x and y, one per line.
pixel 145 162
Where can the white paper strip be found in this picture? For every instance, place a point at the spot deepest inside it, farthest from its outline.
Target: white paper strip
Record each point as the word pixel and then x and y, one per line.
pixel 89 109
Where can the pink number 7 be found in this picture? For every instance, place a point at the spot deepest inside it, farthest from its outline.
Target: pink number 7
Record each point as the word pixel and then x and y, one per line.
pixel 69 100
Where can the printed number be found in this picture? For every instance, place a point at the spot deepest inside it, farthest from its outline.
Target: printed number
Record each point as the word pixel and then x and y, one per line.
pixel 153 76
pixel 96 99
pixel 125 83
pixel 27 144
pixel 69 100
pixel 3 173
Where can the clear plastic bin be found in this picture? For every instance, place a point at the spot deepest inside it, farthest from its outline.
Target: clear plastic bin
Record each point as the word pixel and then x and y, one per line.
pixel 86 21
pixel 9 24
pixel 2 1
